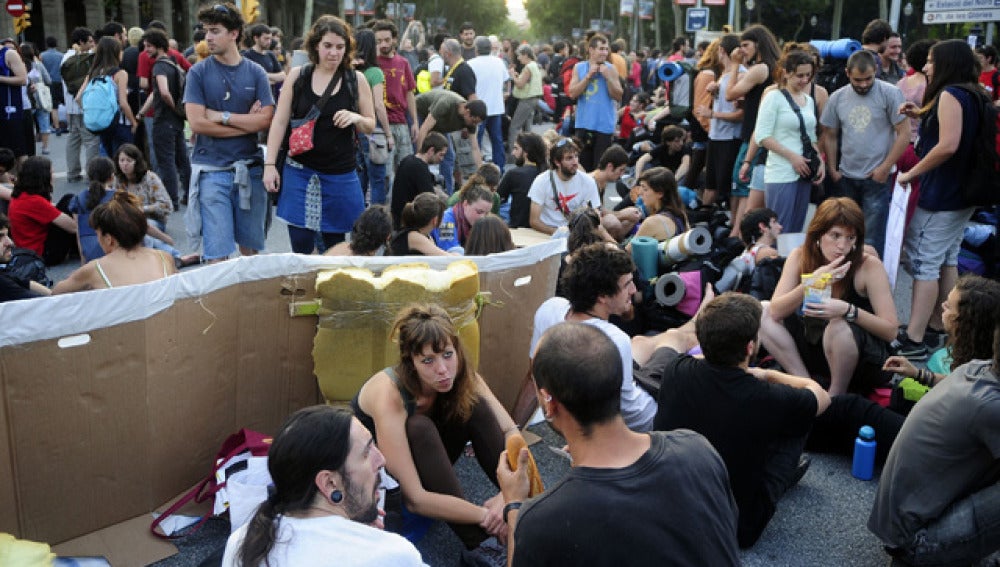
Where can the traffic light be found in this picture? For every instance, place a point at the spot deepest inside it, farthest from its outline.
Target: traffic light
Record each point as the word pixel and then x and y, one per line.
pixel 251 11
pixel 22 23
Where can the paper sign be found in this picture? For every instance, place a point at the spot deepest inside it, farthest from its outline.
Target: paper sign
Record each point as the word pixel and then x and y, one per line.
pixel 894 231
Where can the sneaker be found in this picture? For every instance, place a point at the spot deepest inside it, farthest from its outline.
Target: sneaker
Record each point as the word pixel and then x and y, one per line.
pixel 74 179
pixel 800 471
pixel 934 339
pixel 910 349
pixel 490 553
pixel 45 152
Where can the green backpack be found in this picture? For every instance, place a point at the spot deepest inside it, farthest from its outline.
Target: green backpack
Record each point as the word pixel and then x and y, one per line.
pixel 74 71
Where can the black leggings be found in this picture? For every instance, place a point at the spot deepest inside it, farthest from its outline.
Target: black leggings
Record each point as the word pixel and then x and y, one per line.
pixel 435 448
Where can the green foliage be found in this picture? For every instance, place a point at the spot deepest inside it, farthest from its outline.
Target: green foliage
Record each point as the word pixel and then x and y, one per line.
pixel 485 15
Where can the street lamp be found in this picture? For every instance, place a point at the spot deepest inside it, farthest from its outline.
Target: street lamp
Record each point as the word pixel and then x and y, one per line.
pixel 750 4
pixel 907 11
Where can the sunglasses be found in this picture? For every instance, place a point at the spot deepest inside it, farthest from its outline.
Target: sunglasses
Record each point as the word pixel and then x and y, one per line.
pixel 562 142
pixel 221 9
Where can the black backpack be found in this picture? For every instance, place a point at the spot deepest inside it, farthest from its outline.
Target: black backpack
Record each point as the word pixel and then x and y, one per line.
pixel 177 95
pixel 26 266
pixel 74 71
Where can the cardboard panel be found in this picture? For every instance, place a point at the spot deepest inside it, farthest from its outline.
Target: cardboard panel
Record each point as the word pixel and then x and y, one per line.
pixel 8 486
pixel 77 437
pixel 506 325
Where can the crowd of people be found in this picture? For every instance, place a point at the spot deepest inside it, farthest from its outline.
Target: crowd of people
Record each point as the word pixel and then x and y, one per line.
pixel 368 141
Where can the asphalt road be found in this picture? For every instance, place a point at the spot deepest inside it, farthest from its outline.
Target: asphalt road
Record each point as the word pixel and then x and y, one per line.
pixel 821 522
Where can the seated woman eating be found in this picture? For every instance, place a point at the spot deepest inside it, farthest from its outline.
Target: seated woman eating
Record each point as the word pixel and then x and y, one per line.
pixel 121 227
pixel 475 202
pixel 423 411
pixel 850 332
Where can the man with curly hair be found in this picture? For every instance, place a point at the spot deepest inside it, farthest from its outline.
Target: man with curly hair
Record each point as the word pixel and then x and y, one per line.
pixel 598 284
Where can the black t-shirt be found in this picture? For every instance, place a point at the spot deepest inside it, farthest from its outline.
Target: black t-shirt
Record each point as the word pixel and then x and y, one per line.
pixel 165 66
pixel 413 177
pixel 670 507
pixel 661 156
pixel 267 60
pixel 742 417
pixel 130 62
pixel 462 80
pixel 516 183
pixel 333 147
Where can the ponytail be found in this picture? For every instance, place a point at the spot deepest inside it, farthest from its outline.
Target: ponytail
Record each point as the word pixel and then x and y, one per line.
pixel 262 531
pixel 100 171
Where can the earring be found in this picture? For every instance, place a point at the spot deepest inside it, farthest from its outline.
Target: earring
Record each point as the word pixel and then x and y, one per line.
pixel 548 398
pixel 336 496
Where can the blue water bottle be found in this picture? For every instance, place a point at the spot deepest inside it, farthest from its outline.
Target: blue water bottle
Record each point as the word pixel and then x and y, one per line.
pixel 864 454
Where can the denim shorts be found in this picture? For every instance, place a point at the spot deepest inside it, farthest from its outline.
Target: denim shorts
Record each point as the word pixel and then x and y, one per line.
pixel 933 239
pixel 223 223
pixel 44 120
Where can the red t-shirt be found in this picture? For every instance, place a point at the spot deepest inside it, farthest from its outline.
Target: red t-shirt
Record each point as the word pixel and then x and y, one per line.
pixel 628 124
pixel 145 69
pixel 398 82
pixel 986 78
pixel 30 217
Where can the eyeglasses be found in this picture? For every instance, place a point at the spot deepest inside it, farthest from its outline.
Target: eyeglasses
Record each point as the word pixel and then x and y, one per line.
pixel 561 142
pixel 221 8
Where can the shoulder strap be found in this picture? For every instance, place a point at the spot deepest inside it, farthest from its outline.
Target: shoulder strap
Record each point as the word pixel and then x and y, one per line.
pixel 555 194
pixel 450 71
pixel 351 81
pixel 408 402
pixel 328 91
pixel 806 142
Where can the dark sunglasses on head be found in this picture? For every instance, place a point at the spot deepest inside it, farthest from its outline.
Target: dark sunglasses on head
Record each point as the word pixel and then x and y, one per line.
pixel 221 8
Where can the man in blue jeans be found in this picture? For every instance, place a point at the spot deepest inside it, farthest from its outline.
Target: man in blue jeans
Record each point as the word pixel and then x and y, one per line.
pixel 227 101
pixel 173 165
pixel 938 502
pixel 864 118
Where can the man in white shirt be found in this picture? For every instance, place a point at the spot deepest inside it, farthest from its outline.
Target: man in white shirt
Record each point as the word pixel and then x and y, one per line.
pixel 83 42
pixel 556 193
pixel 598 284
pixel 491 82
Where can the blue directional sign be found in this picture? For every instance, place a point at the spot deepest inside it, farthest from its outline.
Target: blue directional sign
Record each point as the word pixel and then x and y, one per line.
pixel 697 19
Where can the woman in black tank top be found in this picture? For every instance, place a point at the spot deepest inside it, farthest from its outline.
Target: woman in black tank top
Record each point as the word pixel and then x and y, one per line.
pixel 422 413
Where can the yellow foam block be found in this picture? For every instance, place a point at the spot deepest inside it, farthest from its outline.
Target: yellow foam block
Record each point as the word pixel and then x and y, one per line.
pixel 23 553
pixel 358 308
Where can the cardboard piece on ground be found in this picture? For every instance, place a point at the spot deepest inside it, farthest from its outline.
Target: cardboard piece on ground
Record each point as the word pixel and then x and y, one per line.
pixel 166 371
pixel 125 543
pixel 528 236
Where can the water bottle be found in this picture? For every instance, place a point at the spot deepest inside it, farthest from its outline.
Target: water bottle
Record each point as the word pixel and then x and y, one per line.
pixel 864 454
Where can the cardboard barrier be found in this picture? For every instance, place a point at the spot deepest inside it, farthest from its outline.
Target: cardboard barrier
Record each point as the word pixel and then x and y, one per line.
pixel 115 401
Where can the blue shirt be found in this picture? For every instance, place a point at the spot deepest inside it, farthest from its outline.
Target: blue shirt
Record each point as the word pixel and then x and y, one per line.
pixel 227 87
pixel 446 234
pixel 52 59
pixel 939 187
pixel 595 109
pixel 89 245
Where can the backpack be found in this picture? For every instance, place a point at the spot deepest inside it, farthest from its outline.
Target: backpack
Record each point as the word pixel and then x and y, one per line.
pixel 982 186
pixel 181 84
pixel 74 71
pixel 567 74
pixel 100 104
pixel 26 266
pixel 682 108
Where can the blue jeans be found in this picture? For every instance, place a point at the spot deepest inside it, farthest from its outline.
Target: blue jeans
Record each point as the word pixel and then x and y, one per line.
pixel 304 241
pixel 371 175
pixel 967 531
pixel 447 167
pixel 223 223
pixel 148 121
pixel 873 198
pixel 495 126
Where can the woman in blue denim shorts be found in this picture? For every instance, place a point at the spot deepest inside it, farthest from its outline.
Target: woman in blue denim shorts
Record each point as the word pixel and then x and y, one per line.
pixel 948 127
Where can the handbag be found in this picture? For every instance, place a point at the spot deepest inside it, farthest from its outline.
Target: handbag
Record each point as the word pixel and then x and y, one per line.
pixel 378 147
pixel 231 458
pixel 808 151
pixel 43 97
pixel 301 138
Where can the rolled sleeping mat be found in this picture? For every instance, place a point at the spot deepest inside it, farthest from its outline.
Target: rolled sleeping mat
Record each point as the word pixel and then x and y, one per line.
pixel 733 274
pixel 669 71
pixel 670 289
pixel 645 255
pixel 838 49
pixel 695 241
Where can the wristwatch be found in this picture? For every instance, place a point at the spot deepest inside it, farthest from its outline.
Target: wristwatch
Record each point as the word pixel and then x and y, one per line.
pixel 852 314
pixel 225 117
pixel 510 506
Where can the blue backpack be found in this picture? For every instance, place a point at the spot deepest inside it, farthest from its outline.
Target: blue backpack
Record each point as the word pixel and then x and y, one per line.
pixel 100 104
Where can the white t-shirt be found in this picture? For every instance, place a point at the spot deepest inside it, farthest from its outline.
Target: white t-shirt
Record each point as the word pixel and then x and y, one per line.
pixel 491 74
pixel 638 407
pixel 436 65
pixel 329 541
pixel 574 194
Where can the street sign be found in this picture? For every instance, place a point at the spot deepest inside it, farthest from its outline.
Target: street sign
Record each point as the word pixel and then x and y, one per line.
pixel 956 16
pixel 959 5
pixel 15 8
pixel 697 19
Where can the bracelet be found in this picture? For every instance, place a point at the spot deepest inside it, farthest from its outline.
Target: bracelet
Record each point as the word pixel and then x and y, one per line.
pixel 271 164
pixel 510 506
